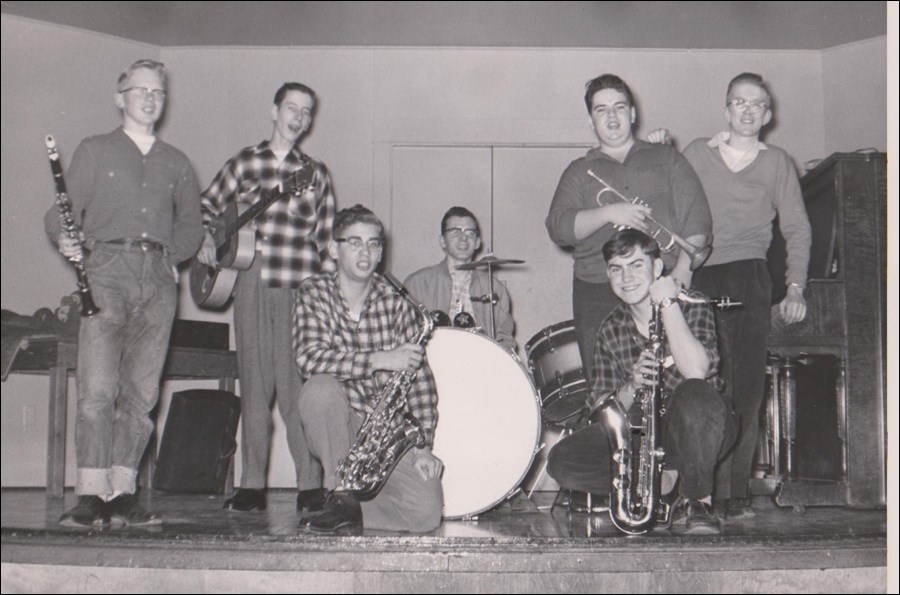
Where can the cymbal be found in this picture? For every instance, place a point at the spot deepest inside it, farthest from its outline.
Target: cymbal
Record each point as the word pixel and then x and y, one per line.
pixel 487 261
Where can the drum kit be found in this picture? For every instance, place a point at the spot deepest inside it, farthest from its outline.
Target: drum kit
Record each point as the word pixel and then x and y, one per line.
pixel 489 410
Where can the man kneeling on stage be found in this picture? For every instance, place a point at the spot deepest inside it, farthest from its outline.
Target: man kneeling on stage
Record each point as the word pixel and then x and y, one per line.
pixel 352 332
pixel 697 427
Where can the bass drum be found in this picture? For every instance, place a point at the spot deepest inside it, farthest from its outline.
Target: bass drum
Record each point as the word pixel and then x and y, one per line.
pixel 489 420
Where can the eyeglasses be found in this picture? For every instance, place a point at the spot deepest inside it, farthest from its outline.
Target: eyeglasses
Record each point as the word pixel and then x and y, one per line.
pixel 357 243
pixel 455 232
pixel 157 94
pixel 753 107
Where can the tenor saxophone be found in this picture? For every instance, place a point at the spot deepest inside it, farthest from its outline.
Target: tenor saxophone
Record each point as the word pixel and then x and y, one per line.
pixel 637 455
pixel 389 430
pixel 638 458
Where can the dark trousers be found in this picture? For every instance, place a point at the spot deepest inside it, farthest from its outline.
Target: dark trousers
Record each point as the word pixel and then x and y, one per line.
pixel 743 342
pixel 263 322
pixel 591 303
pixel 697 432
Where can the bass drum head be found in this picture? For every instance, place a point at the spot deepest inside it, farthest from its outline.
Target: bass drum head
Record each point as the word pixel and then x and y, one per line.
pixel 489 420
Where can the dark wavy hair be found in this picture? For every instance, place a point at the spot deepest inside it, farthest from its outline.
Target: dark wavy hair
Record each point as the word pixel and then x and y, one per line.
pixel 624 243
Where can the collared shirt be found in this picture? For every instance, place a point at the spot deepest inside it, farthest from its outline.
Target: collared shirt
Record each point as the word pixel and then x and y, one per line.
pixel 656 174
pixel 735 159
pixel 327 340
pixel 292 234
pixel 118 193
pixel 619 347
pixel 461 291
pixel 432 287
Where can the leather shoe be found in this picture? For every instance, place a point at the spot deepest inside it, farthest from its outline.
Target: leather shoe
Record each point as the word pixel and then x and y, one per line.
pixel 91 511
pixel 342 514
pixel 311 500
pixel 126 509
pixel 246 499
pixel 701 518
pixel 739 508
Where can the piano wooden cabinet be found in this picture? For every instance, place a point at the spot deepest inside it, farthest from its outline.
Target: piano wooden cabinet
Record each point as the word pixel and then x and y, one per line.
pixel 845 197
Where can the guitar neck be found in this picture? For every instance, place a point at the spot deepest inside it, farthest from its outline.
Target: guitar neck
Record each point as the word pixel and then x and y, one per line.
pixel 266 199
pixel 296 182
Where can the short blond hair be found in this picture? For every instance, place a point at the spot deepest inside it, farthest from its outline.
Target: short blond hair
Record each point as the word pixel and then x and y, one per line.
pixel 145 64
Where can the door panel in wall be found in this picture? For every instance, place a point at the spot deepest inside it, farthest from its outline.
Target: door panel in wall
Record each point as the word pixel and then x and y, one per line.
pixel 525 179
pixel 426 181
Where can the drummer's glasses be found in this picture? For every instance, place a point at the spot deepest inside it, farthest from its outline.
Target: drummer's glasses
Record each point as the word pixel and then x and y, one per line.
pixel 455 232
pixel 356 243
pixel 754 107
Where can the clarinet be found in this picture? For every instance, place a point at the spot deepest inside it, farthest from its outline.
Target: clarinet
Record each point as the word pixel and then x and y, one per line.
pixel 88 307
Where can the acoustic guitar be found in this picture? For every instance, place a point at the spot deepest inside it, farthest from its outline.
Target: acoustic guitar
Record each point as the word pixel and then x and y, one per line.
pixel 211 287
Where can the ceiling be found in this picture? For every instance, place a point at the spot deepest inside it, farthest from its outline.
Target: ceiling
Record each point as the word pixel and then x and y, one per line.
pixel 700 25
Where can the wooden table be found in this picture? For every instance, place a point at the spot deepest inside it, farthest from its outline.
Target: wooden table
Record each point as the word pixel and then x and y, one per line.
pixel 57 356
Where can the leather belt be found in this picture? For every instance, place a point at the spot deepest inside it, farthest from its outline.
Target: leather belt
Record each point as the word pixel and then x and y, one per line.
pixel 137 244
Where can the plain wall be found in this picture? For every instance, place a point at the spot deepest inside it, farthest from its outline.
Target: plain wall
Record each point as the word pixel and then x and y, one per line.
pixel 855 92
pixel 60 80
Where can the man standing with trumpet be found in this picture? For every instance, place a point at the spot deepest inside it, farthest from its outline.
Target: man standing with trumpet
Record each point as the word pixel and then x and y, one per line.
pixel 584 214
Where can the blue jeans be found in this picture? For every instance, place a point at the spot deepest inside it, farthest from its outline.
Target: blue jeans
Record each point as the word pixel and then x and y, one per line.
pixel 743 340
pixel 121 352
pixel 697 432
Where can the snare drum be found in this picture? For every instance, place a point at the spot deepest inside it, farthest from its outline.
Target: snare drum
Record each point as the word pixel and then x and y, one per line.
pixel 555 361
pixel 489 420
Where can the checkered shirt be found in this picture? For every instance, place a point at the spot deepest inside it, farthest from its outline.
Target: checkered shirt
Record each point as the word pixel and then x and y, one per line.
pixel 619 346
pixel 328 341
pixel 292 235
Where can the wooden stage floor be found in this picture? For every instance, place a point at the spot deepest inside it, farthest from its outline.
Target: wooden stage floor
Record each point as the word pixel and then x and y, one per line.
pixel 518 547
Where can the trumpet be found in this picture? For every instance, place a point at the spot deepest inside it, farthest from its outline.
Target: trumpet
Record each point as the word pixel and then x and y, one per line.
pixel 697 254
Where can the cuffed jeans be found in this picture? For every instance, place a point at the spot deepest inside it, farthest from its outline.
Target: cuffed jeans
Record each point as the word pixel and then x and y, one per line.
pixel 406 502
pixel 743 341
pixel 697 432
pixel 121 352
pixel 263 322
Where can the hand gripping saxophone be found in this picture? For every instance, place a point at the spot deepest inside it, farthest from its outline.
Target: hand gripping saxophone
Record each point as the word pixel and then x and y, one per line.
pixel 389 430
pixel 637 454
pixel 635 503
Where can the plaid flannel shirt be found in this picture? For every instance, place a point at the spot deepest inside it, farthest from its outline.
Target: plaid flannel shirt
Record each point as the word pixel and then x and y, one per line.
pixel 619 346
pixel 328 341
pixel 292 235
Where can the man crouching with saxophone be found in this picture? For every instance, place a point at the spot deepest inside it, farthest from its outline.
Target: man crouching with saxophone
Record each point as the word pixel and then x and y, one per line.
pixel 696 427
pixel 352 331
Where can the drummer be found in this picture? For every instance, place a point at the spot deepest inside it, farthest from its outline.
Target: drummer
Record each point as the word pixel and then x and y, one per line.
pixel 464 294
